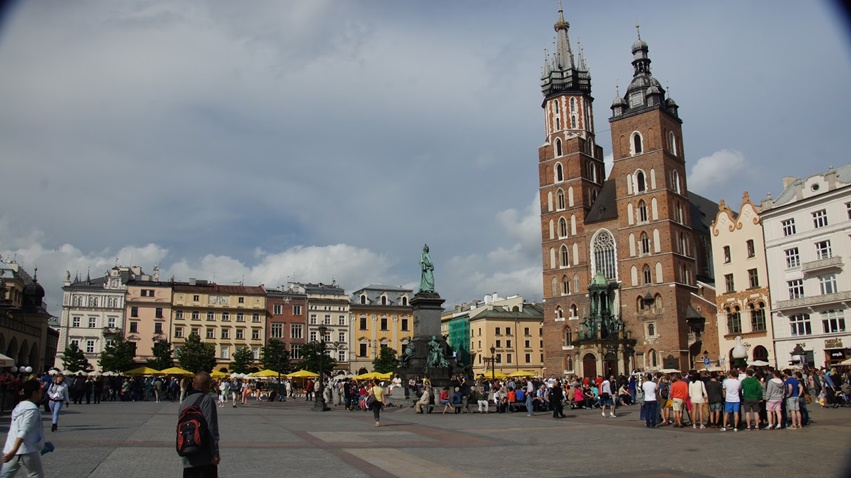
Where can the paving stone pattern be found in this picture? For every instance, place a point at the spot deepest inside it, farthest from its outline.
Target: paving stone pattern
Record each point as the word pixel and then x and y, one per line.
pixel 120 439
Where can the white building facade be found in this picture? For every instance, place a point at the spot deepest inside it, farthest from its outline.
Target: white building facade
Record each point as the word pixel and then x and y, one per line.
pixel 91 306
pixel 741 283
pixel 807 247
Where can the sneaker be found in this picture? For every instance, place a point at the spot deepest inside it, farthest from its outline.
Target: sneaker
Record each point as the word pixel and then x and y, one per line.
pixel 702 427
pixel 695 426
pixel 735 429
pixel 723 429
pixel 603 414
pixel 613 415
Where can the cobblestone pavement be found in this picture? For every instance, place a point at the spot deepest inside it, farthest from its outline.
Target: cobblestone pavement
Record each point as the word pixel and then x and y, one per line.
pixel 270 439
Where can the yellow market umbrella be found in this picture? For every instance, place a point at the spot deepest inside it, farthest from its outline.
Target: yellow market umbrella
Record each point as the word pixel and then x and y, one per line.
pixel 302 374
pixel 384 376
pixel 522 373
pixel 142 371
pixel 369 376
pixel 264 374
pixel 177 371
pixel 498 375
pixel 218 374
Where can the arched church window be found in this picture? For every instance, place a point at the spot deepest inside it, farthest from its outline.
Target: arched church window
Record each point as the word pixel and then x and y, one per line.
pixel 559 312
pixel 574 311
pixel 560 198
pixel 645 243
pixel 672 142
pixel 555 105
pixel 565 285
pixel 640 182
pixel 573 121
pixel 558 147
pixel 573 104
pixel 636 143
pixel 605 261
pixel 648 276
pixel 675 181
pixel 562 227
pixel 642 211
pixel 565 257
pixel 568 336
pixel 559 169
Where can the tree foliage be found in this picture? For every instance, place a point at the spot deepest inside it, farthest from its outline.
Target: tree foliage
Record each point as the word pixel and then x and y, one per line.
pixel 118 355
pixel 275 356
pixel 242 359
pixel 196 356
pixel 162 355
pixel 74 359
pixel 310 359
pixel 386 360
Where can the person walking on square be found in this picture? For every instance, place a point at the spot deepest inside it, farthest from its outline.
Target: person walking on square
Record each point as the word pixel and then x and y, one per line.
pixel 606 400
pixel 376 393
pixel 204 463
pixel 751 396
pixel 651 405
pixel 679 393
pixel 58 395
pixel 556 400
pixel 732 402
pixel 25 439
pixel 697 395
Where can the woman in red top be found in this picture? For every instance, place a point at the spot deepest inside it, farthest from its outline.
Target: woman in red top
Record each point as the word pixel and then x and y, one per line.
pixel 445 401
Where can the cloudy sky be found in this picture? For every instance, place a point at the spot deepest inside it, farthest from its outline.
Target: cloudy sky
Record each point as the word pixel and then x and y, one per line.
pixel 315 140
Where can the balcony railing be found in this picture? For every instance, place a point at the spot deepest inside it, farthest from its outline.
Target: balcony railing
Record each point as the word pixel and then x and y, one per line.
pixel 814 300
pixel 830 262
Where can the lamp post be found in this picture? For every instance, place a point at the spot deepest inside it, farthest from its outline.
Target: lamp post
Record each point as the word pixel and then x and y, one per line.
pixel 319 404
pixel 493 363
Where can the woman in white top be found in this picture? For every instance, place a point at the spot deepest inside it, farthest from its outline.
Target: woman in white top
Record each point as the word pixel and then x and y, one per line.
pixel 697 395
pixel 57 394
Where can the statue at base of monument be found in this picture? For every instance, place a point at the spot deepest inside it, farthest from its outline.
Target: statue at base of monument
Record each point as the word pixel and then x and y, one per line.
pixel 435 354
pixel 427 272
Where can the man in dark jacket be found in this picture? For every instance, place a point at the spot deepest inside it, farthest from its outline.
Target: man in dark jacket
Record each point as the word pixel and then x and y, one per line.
pixel 204 464
pixel 556 397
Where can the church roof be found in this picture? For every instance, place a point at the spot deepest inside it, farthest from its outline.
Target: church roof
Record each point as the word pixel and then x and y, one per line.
pixel 703 212
pixel 605 207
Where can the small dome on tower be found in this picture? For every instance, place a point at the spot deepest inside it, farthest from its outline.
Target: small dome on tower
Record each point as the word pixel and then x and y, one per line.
pixel 639 45
pixel 618 101
pixel 654 90
pixel 670 102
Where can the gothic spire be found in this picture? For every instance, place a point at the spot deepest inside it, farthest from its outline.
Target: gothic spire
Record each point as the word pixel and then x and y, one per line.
pixel 564 57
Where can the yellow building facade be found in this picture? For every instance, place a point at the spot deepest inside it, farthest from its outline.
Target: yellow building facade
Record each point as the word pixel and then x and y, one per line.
pixel 381 315
pixel 228 316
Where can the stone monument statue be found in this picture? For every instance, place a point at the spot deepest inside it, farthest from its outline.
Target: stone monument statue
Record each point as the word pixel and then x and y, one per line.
pixel 435 354
pixel 427 272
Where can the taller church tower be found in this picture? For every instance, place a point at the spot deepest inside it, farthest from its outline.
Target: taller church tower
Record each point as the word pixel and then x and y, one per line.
pixel 571 171
pixel 621 256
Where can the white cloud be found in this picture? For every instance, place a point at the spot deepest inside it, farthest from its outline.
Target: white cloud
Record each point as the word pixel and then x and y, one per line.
pixel 716 169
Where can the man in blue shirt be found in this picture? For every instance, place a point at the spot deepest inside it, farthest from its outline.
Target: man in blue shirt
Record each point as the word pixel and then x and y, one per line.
pixel 792 408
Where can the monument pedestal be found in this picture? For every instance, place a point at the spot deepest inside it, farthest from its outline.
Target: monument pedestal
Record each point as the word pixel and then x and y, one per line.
pixel 427 308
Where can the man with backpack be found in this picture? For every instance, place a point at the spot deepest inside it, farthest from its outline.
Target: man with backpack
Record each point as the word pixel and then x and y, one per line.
pixel 198 431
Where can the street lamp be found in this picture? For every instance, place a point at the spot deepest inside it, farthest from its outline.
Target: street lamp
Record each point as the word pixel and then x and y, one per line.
pixel 493 363
pixel 319 404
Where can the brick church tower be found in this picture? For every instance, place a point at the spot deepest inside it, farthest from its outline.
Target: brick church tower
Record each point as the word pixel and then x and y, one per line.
pixel 626 260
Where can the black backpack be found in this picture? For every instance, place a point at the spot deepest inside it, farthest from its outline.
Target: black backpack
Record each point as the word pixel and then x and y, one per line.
pixel 665 390
pixel 193 435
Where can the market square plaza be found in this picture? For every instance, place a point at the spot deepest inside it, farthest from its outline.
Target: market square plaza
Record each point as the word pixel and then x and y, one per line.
pixel 274 439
